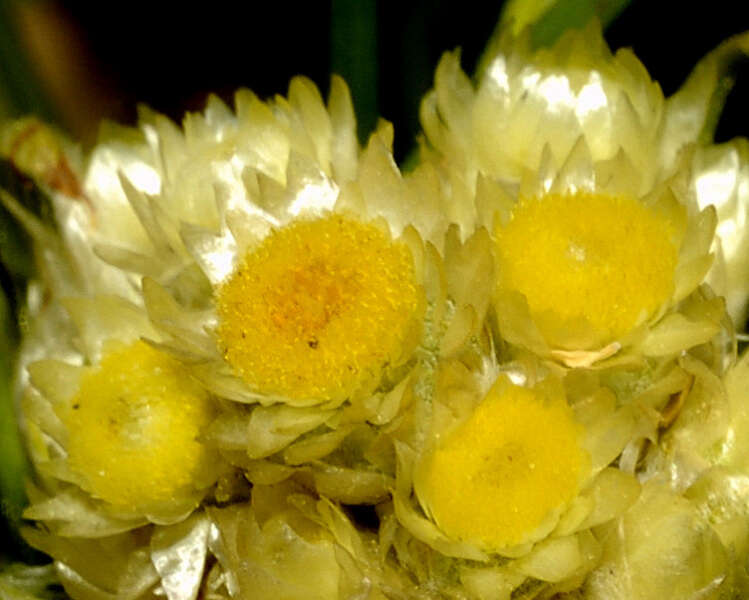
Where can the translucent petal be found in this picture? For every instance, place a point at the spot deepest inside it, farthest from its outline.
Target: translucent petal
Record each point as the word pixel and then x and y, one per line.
pixel 351 486
pixel 77 515
pixel 675 333
pixel 250 550
pixel 215 253
pixel 722 179
pixel 305 98
pixel 612 492
pixel 272 428
pixel 683 560
pixel 178 554
pixel 57 381
pixel 345 147
pixel 107 318
pixel 554 559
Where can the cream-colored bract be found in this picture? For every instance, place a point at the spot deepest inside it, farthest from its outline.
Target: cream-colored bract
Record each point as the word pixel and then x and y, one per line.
pixel 275 170
pixel 574 121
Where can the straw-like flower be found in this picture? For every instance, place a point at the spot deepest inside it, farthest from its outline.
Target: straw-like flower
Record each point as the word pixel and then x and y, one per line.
pixel 703 456
pixel 570 157
pixel 113 424
pixel 694 495
pixel 257 350
pixel 306 296
pixel 512 479
pixel 518 450
pixel 115 430
pixel 122 421
pixel 295 283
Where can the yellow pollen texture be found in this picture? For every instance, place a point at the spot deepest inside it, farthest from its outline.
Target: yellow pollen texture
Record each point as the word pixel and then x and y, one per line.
pixel 133 428
pixel 319 310
pixel 604 259
pixel 496 478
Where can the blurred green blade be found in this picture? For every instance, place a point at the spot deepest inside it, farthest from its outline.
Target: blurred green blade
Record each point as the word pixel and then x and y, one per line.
pixel 693 112
pixel 353 56
pixel 12 456
pixel 20 89
pixel 549 19
pixel 524 12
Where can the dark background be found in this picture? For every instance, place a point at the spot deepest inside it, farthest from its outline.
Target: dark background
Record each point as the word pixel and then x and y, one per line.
pixel 170 56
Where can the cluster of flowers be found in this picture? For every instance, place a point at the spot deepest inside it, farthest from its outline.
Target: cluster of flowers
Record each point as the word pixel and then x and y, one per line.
pixel 261 362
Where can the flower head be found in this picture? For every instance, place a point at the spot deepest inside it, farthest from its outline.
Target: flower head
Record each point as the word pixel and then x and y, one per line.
pixel 566 156
pixel 301 293
pixel 320 309
pixel 529 103
pixel 133 428
pixel 603 259
pixel 129 425
pixel 519 458
pixel 509 478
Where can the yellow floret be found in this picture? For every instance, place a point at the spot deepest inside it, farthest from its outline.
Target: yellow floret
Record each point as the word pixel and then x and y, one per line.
pixel 497 478
pixel 133 428
pixel 319 310
pixel 606 260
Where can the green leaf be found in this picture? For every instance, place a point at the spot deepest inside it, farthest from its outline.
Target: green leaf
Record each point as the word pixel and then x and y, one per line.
pixel 521 13
pixel 14 246
pixel 25 190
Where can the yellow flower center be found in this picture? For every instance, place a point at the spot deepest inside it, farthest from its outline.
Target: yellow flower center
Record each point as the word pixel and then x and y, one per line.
pixel 500 475
pixel 319 310
pixel 607 260
pixel 133 428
